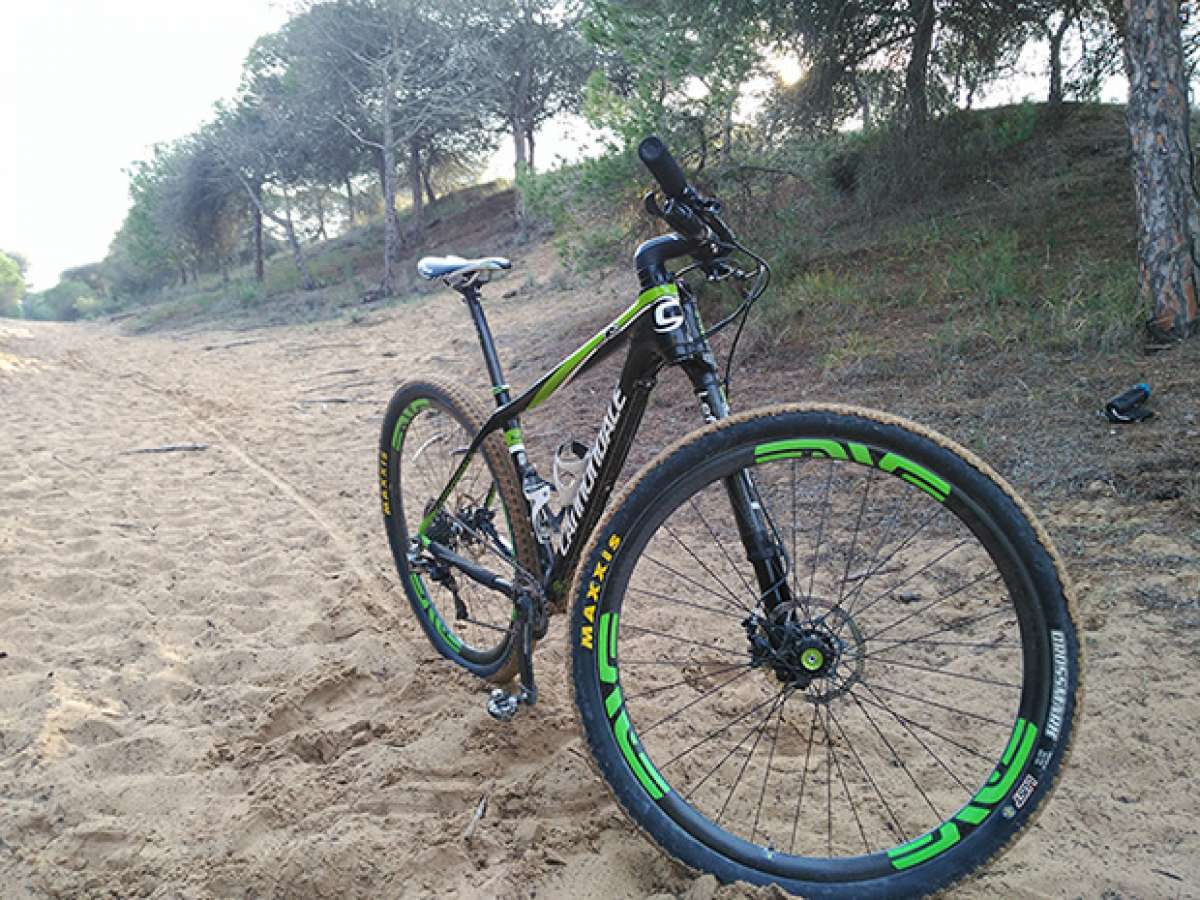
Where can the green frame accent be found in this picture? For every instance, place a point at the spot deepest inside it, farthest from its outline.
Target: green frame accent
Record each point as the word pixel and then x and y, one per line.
pixel 571 364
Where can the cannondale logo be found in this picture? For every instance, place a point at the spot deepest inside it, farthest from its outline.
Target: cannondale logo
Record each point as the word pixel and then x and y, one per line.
pixel 668 316
pixel 587 483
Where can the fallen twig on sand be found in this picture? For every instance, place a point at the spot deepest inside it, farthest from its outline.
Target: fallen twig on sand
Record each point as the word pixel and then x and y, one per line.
pixel 333 400
pixel 339 372
pixel 234 344
pixel 170 448
pixel 480 812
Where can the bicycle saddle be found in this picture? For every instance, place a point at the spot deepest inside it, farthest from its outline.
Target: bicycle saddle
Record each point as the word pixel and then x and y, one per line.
pixel 432 267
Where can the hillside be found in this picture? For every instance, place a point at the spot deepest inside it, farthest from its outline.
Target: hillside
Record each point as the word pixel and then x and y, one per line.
pixel 212 685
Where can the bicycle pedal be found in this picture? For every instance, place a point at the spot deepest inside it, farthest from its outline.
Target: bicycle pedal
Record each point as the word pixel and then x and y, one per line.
pixel 503 706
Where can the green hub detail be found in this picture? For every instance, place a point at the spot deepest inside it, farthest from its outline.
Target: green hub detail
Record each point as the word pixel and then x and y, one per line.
pixel 812 659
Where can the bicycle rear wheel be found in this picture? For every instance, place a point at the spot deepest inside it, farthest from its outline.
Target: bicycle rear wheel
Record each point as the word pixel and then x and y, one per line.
pixel 426 430
pixel 885 731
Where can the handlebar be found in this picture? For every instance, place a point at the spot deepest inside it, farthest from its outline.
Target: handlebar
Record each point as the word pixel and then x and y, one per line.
pixel 662 165
pixel 691 215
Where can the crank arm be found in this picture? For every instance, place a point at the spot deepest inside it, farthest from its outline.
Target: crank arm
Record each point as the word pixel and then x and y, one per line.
pixel 502 705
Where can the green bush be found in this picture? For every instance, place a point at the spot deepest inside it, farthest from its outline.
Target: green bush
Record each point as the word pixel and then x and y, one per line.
pixel 66 301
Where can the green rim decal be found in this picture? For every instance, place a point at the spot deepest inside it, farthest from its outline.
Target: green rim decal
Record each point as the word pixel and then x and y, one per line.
pixel 606 652
pixel 926 847
pixel 1016 754
pixel 402 423
pixel 569 365
pixel 824 448
pixel 432 614
pixel 627 740
pixel 514 437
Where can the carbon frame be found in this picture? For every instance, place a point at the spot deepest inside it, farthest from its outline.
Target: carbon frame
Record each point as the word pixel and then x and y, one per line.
pixel 662 328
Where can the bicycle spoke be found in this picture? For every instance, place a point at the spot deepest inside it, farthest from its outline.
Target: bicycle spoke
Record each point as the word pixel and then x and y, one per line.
pixel 700 606
pixel 685 682
pixel 749 756
pixel 698 700
pixel 870 781
pixel 712 734
pixel 750 592
pixel 862 508
pixel 904 723
pixel 892 590
pixel 919 668
pixel 692 581
pixel 897 760
pixel 923 639
pixel 846 785
pixel 808 744
pixel 762 793
pixel 926 728
pixel 925 701
pixel 678 640
pixel 932 604
pixel 812 578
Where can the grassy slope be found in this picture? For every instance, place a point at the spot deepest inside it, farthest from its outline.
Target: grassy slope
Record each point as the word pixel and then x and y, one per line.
pixel 988 287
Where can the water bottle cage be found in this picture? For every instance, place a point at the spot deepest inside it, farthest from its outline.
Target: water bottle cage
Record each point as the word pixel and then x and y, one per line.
pixel 570 461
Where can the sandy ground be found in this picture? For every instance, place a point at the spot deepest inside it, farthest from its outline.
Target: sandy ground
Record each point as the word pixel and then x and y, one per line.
pixel 210 684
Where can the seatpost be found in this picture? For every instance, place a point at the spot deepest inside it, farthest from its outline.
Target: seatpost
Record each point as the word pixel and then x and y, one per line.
pixel 500 389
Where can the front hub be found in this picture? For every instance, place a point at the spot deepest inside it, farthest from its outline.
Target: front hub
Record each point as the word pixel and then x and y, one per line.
pixel 820 651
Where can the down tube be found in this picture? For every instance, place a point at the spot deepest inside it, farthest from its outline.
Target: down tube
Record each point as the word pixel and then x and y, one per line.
pixel 628 401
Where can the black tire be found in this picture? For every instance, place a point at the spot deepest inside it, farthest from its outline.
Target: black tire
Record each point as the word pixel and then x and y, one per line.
pixel 427 427
pixel 938 691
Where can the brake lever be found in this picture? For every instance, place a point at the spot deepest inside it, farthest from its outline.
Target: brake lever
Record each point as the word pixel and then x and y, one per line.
pixel 650 203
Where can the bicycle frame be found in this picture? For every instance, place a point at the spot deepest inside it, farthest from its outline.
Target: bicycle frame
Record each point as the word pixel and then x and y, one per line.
pixel 662 328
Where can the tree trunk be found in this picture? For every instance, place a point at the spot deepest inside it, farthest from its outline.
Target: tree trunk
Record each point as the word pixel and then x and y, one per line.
pixel 430 196
pixel 727 133
pixel 521 164
pixel 350 214
pixel 297 252
pixel 863 97
pixel 387 178
pixel 183 278
pixel 529 160
pixel 1056 38
pixel 259 268
pixel 321 232
pixel 916 77
pixel 1166 201
pixel 414 184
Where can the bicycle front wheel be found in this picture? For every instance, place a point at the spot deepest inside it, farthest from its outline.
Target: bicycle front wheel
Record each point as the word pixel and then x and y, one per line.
pixel 881 722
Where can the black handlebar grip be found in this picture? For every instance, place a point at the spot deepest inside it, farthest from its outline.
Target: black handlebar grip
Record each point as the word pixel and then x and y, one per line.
pixel 658 159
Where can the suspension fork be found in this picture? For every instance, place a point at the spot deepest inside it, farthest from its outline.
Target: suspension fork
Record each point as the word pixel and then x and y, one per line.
pixel 688 347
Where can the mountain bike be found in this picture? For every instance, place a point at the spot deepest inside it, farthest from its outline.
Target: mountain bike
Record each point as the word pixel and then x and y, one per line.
pixel 811 645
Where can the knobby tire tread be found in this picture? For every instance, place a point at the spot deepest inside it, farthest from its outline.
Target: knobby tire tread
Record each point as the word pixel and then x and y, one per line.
pixel 766 412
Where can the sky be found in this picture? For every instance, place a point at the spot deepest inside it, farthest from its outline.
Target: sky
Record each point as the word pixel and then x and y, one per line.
pixel 86 88
pixel 89 86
